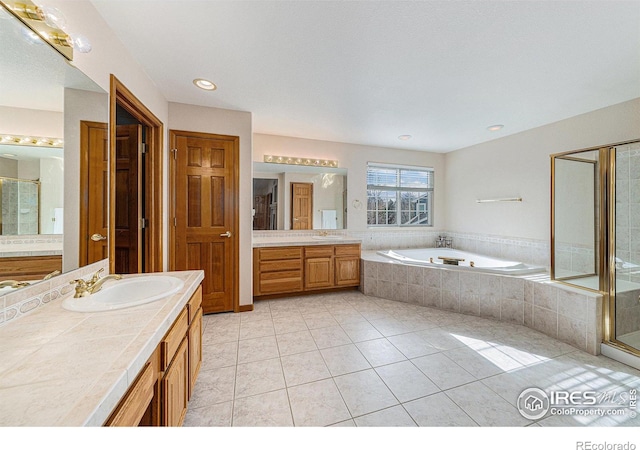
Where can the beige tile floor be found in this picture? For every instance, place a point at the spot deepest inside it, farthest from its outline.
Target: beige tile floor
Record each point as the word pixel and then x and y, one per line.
pixel 345 359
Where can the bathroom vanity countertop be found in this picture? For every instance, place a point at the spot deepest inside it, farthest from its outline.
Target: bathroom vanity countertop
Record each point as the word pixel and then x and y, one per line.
pixel 31 249
pixel 65 368
pixel 302 240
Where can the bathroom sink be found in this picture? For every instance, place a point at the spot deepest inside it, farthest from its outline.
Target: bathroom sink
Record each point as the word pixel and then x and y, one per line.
pixel 327 238
pixel 126 293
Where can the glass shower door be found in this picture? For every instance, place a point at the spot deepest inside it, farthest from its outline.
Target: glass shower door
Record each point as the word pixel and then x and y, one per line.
pixel 626 307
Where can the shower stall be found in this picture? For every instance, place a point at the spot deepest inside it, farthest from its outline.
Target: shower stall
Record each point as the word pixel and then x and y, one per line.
pixel 595 234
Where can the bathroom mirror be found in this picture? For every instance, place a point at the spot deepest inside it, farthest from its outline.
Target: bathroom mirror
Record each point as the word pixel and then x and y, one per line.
pixel 292 197
pixel 43 102
pixel 576 218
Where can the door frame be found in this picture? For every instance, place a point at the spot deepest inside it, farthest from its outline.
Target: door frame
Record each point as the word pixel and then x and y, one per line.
pixel 235 206
pixel 120 95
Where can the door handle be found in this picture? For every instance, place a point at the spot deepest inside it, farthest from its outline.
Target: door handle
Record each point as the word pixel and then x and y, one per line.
pixel 98 237
pixel 227 234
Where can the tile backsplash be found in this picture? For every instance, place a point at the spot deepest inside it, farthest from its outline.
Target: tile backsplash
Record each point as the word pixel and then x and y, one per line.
pixel 26 299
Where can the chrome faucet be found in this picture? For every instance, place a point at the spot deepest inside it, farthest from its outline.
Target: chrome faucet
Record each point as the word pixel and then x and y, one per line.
pixel 85 288
pixel 13 284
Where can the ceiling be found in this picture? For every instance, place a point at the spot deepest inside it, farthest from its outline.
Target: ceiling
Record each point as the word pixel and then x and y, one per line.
pixel 366 72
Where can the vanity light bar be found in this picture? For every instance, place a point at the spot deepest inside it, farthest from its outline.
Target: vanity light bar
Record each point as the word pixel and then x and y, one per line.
pixel 34 17
pixel 9 139
pixel 300 161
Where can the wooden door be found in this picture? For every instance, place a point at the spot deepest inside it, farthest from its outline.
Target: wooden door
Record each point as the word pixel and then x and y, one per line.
pixel 205 195
pixel 94 189
pixel 301 206
pixel 261 212
pixel 128 212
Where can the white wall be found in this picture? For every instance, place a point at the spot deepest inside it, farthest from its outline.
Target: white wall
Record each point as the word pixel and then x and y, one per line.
pixel 233 123
pixel 31 122
pixel 354 158
pixel 519 166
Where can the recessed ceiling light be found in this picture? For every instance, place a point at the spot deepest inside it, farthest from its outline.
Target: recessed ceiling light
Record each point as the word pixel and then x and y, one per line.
pixel 495 127
pixel 205 84
pixel 404 137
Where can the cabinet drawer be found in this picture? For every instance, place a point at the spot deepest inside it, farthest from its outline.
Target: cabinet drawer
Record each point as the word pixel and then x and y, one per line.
pixel 173 338
pixel 348 250
pixel 265 254
pixel 276 282
pixel 194 303
pixel 280 265
pixel 134 405
pixel 318 251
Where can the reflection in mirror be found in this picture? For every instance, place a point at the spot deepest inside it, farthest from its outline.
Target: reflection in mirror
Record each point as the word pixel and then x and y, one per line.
pixel 291 197
pixel 31 190
pixel 41 95
pixel 576 218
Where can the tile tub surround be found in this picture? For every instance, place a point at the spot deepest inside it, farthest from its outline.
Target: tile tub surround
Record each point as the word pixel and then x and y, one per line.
pixel 65 368
pixel 570 315
pixel 346 359
pixel 26 299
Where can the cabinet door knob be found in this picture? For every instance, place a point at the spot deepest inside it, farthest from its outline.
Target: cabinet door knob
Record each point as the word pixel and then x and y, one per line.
pixel 98 237
pixel 227 234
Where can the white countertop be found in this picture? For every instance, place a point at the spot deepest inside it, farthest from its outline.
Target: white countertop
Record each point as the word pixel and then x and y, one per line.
pixel 64 368
pixel 31 249
pixel 302 240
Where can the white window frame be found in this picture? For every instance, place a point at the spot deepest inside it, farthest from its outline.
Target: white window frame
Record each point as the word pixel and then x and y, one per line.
pixel 398 189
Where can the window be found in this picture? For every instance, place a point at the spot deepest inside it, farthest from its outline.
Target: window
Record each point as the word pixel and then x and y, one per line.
pixel 399 196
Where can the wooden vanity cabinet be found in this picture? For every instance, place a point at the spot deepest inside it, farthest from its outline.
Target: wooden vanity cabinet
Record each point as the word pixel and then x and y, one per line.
pixel 313 268
pixel 161 392
pixel 195 338
pixel 277 270
pixel 318 267
pixel 347 262
pixel 29 268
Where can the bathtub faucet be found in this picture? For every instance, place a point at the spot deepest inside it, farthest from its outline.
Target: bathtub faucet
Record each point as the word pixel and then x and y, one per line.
pixel 444 242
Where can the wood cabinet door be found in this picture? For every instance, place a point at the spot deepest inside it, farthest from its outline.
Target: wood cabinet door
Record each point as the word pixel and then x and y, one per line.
pixel 318 273
pixel 195 349
pixel 347 271
pixel 175 388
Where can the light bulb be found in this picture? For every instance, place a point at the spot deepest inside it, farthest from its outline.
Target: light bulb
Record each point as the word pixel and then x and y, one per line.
pixel 81 43
pixel 52 17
